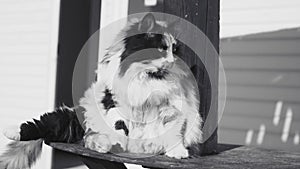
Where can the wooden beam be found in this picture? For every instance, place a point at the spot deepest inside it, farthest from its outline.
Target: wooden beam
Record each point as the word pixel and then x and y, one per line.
pixel 229 156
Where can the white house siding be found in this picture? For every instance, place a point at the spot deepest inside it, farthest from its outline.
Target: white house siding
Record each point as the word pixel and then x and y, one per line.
pixel 263 70
pixel 28 40
pixel 240 17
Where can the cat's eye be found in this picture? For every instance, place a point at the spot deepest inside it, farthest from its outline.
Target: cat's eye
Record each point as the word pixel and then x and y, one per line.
pixel 163 48
pixel 175 48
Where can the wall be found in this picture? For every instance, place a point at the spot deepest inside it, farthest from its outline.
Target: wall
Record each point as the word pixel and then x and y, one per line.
pixel 253 16
pixel 28 31
pixel 263 97
pixel 262 73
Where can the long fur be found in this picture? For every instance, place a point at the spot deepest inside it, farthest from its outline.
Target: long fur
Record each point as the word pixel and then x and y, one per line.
pixel 60 125
pixel 155 95
pixel 21 154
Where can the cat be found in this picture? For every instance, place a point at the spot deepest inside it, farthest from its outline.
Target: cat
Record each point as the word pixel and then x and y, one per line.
pixel 145 101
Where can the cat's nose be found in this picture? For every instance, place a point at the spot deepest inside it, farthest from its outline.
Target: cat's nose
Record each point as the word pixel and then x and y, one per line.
pixel 167 65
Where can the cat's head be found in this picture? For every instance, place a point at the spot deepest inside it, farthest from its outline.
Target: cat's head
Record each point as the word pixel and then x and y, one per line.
pixel 149 48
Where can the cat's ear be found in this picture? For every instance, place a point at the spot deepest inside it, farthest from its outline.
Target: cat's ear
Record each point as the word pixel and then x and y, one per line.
pixel 147 24
pixel 176 27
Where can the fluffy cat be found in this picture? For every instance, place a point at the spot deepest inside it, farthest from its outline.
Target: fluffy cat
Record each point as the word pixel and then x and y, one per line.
pixel 145 101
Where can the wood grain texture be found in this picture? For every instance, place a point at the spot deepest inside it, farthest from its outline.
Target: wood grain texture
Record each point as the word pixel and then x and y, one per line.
pixel 92 163
pixel 230 156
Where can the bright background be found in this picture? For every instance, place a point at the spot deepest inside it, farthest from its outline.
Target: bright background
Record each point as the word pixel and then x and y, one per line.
pixel 28 41
pixel 28 45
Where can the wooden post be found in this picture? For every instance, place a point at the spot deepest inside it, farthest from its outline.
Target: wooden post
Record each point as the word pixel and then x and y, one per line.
pixel 79 19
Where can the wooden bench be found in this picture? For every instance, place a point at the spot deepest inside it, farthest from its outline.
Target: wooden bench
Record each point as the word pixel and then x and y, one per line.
pixel 228 156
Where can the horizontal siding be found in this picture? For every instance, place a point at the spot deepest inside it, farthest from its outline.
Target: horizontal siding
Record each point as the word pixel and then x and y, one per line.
pixel 27 59
pixel 255 16
pixel 285 33
pixel 278 63
pixel 14 81
pixel 28 31
pixel 271 140
pixel 264 93
pixel 261 69
pixel 25 41
pixel 252 77
pixel 35 47
pixel 261 48
pixel 259 109
pixel 231 136
pixel 245 122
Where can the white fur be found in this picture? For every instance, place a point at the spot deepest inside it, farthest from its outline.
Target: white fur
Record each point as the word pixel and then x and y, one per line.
pixel 147 133
pixel 98 120
pixel 21 154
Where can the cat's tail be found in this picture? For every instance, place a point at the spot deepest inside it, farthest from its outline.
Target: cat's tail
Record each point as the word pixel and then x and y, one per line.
pixel 60 125
pixel 21 154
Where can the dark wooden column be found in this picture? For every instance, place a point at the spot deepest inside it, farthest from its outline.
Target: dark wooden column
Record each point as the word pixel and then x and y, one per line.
pixel 79 19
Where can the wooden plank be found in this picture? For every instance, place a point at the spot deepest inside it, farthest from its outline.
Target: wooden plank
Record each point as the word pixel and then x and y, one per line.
pixel 264 93
pixel 102 164
pixel 262 62
pixel 229 156
pixel 264 78
pixel 260 48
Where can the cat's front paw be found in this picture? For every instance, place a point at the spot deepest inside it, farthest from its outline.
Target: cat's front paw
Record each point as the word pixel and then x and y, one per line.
pixel 97 142
pixel 178 152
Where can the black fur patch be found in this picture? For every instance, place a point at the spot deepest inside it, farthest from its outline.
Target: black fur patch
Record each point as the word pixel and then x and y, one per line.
pixel 120 124
pixel 183 128
pixel 30 131
pixel 159 74
pixel 107 100
pixel 60 125
pixel 136 43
